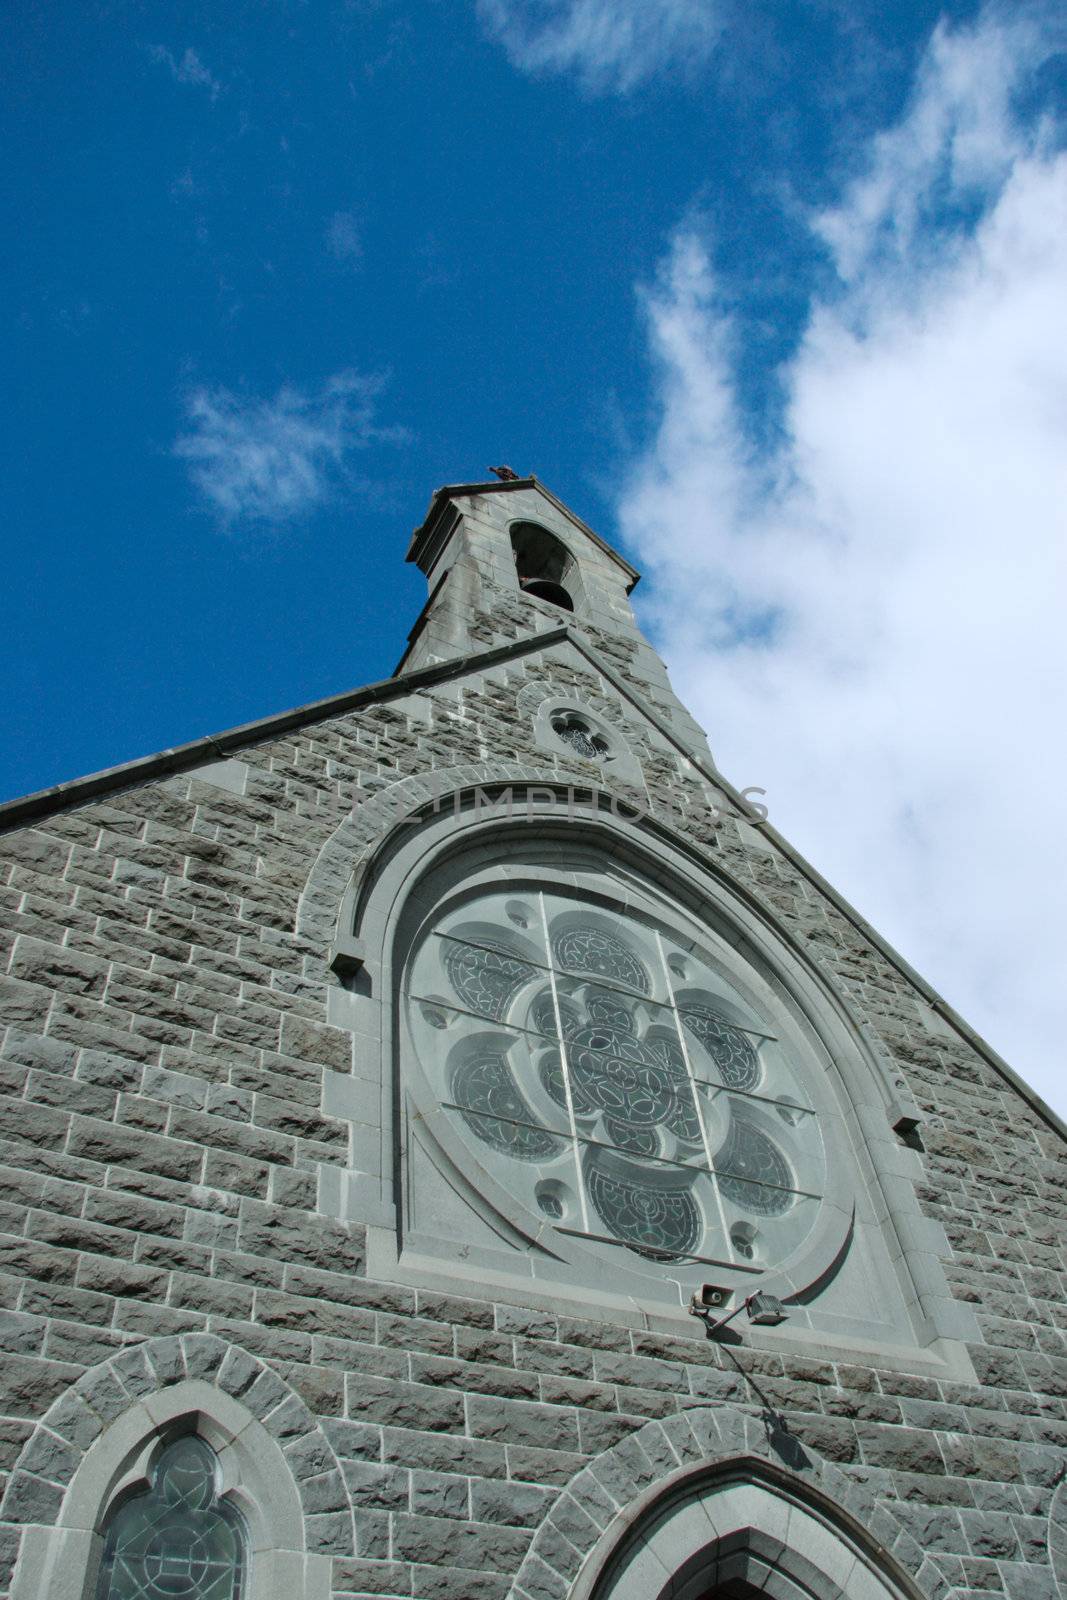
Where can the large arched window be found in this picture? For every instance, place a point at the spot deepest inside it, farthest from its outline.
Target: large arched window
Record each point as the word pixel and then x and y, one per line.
pixel 594 1071
pixel 609 1080
pixel 175 1539
pixel 606 1069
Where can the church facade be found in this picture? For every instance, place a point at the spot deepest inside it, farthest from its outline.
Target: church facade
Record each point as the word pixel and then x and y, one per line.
pixel 454 1148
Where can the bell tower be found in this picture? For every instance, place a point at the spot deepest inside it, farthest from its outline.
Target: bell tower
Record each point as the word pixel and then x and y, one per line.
pixel 508 559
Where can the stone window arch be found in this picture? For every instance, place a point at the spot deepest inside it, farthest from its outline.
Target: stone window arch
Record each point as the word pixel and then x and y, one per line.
pixel 453 1056
pixel 245 1485
pixel 714 1501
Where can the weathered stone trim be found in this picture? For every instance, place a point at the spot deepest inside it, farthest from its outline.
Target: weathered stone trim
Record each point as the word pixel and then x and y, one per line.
pixel 214 746
pixel 53 1511
pixel 345 854
pixel 604 1501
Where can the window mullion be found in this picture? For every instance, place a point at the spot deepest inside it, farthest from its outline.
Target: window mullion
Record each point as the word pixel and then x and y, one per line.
pixel 565 1065
pixel 728 1244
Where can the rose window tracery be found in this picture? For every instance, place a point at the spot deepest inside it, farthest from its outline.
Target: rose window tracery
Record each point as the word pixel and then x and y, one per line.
pixel 597 952
pixel 733 1051
pixel 484 977
pixel 752 1170
pixel 583 739
pixel 611 1078
pixel 486 1094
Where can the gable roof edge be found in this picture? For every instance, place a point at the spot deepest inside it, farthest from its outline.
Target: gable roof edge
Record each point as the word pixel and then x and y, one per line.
pixel 212 746
pixel 933 998
pixel 182 758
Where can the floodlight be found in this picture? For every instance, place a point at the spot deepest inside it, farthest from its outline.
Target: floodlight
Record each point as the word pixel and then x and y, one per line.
pixel 766 1309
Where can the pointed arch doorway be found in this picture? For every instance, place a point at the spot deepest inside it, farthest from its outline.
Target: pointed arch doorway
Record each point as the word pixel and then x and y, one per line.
pixel 744 1533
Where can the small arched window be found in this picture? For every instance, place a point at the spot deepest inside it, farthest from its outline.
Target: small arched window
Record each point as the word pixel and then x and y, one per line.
pixel 543 563
pixel 572 729
pixel 176 1538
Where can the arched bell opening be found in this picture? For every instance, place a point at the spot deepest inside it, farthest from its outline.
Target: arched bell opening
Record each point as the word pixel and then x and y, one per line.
pixel 554 593
pixel 544 566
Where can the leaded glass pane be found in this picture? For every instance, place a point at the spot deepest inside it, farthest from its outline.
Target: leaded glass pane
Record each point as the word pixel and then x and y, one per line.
pixel 751 1169
pixel 732 1051
pixel 576 732
pixel 597 952
pixel 485 980
pixel 655 1213
pixel 485 1093
pixel 762 1148
pixel 613 1081
pixel 177 1540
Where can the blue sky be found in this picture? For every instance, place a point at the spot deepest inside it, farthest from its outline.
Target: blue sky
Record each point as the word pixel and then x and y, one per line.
pixel 731 278
pixel 252 197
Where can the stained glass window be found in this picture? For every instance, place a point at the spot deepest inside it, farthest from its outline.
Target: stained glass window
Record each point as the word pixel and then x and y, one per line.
pixel 581 737
pixel 609 1074
pixel 177 1540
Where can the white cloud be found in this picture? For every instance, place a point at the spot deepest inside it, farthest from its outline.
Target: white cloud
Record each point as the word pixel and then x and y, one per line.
pixel 343 238
pixel 613 45
pixel 273 461
pixel 187 69
pixel 869 620
pixel 957 143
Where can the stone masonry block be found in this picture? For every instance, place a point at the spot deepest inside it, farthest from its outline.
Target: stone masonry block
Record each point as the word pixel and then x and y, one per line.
pixel 315 1041
pixel 58 967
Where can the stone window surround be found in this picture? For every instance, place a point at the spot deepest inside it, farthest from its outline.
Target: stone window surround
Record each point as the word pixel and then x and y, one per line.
pixel 62 1561
pixel 368 921
pixel 618 766
pixel 632 903
pixel 811 1516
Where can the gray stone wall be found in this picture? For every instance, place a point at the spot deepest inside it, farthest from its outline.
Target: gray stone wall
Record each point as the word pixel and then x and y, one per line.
pixel 164 1039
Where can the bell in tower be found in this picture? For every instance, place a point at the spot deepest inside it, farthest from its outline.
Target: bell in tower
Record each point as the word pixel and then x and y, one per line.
pixel 544 565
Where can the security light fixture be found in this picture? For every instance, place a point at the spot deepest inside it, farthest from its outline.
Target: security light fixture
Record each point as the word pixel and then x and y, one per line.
pixel 765 1310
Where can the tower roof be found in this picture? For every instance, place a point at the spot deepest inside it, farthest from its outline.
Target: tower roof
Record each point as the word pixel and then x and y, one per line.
pixel 426 538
